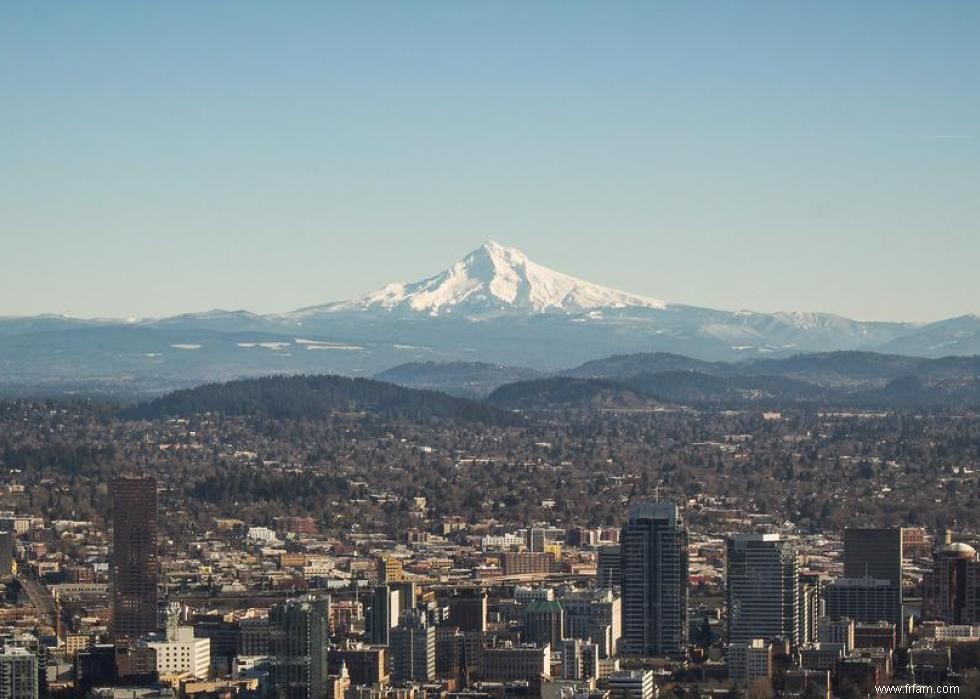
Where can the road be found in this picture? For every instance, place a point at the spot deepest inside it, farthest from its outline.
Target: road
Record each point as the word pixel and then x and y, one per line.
pixel 39 596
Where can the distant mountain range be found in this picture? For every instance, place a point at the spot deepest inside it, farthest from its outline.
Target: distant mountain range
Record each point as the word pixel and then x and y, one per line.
pixel 649 380
pixel 488 394
pixel 493 307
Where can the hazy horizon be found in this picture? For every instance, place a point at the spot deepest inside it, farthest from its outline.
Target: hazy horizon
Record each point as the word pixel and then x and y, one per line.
pixel 232 309
pixel 164 159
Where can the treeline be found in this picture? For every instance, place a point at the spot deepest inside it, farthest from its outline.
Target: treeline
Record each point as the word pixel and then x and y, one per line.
pixel 713 391
pixel 316 396
pixel 60 457
pixel 228 485
pixel 565 392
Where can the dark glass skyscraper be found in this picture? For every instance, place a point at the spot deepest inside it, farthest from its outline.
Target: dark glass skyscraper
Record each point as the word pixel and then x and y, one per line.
pixel 468 610
pixel 135 564
pixel 877 553
pixel 413 648
pixel 654 571
pixel 763 589
pixel 873 553
pixel 383 613
pixel 6 554
pixel 299 636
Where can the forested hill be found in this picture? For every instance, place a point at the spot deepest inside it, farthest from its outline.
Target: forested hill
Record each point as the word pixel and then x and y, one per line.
pixel 316 396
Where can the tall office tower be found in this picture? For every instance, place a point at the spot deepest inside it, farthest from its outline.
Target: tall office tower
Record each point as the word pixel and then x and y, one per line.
pixel 861 599
pixel 413 648
pixel 544 621
pixel 390 570
pixel 253 636
pixel 383 614
pixel 608 567
pixel 873 553
pixel 18 674
pixel 468 610
pixel 407 594
pixel 6 554
pixel 299 636
pixel 763 589
pixel 447 658
pixel 952 588
pixel 654 580
pixel 876 553
pixel 135 563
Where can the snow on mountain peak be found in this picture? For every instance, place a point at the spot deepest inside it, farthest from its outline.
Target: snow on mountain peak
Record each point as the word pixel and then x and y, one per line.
pixel 494 279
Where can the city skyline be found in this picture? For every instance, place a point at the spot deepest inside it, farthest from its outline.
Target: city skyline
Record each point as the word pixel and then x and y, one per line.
pixel 767 561
pixel 440 350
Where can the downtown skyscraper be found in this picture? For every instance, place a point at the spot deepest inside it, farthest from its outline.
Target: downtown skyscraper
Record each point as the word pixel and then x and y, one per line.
pixel 134 560
pixel 299 635
pixel 763 589
pixel 654 572
pixel 877 554
pixel 413 648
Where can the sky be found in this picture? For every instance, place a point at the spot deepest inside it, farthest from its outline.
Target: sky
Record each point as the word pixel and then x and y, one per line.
pixel 158 158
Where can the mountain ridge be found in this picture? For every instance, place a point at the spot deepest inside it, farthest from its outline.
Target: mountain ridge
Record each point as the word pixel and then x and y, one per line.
pixel 494 306
pixel 836 379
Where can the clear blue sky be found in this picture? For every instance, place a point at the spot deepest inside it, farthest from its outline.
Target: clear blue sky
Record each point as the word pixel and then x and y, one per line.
pixel 177 156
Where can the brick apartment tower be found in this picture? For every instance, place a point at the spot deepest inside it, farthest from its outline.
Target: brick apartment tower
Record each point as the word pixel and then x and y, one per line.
pixel 134 561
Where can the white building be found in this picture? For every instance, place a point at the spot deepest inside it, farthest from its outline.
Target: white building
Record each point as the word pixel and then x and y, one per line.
pixel 632 684
pixel 179 652
pixel 501 541
pixel 261 534
pixel 951 632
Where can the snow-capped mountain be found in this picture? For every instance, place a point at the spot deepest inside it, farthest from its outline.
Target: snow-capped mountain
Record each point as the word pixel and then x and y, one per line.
pixel 493 279
pixel 493 306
